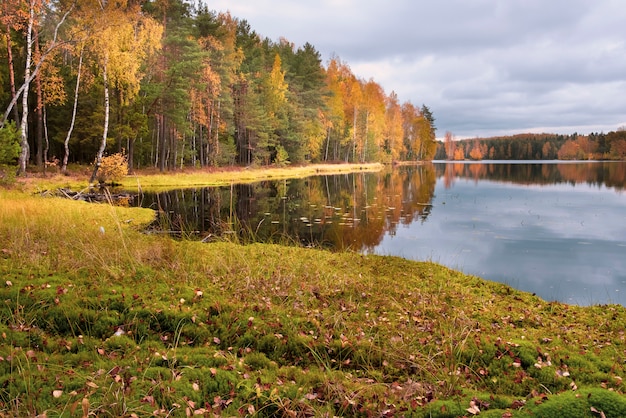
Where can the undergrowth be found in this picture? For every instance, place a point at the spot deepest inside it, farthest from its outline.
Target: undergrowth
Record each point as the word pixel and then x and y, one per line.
pixel 99 319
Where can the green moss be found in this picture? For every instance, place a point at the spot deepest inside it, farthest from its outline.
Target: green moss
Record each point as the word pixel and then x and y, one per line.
pixel 257 361
pixel 579 404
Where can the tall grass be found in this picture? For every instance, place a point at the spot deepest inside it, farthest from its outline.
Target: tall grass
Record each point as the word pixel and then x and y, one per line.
pixel 54 232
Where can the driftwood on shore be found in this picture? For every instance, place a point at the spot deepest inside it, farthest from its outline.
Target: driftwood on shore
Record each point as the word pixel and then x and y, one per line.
pixel 92 195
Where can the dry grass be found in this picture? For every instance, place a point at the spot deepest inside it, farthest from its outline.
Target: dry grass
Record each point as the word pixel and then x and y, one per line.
pixel 78 178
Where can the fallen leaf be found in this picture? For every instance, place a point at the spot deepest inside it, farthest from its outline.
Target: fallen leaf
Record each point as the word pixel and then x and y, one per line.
pixel 595 411
pixel 518 404
pixel 473 408
pixel 85 405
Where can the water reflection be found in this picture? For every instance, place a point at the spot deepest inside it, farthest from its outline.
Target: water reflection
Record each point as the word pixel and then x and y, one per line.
pixel 555 229
pixel 348 211
pixel 558 230
pixel 607 173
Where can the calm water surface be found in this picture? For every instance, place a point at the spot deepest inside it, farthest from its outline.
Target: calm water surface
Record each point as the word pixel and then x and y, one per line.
pixel 554 229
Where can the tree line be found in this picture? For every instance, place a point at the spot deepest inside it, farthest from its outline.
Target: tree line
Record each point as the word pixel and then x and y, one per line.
pixel 173 85
pixel 595 146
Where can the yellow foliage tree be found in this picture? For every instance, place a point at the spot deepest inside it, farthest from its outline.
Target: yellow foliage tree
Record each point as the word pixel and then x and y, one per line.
pixel 122 40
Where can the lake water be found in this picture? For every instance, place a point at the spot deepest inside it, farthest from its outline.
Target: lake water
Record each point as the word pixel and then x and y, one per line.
pixel 554 229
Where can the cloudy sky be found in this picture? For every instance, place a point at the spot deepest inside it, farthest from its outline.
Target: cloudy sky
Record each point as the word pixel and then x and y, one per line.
pixel 484 67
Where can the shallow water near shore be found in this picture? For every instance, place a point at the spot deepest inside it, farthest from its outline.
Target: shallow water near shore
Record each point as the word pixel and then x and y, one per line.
pixel 555 229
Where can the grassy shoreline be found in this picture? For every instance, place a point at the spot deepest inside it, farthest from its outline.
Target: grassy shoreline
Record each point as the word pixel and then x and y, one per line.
pixel 99 319
pixel 152 179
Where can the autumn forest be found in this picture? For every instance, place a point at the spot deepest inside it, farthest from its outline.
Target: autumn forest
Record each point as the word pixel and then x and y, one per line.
pixel 170 85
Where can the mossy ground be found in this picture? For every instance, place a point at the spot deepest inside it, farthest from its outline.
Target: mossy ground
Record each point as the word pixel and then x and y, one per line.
pixel 118 323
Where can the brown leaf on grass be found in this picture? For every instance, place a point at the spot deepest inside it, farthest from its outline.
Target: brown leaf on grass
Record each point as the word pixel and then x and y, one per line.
pixel 473 408
pixel 518 404
pixel 85 406
pixel 595 411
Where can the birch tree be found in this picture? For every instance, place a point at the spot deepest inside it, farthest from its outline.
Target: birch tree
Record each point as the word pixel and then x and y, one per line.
pixel 24 154
pixel 124 39
pixel 34 12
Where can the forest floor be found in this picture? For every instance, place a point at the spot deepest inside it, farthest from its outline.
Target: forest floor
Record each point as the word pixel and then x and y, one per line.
pixel 100 319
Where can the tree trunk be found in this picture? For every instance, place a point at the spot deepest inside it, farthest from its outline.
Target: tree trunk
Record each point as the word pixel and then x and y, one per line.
pixel 66 144
pixel 209 137
pixel 24 154
pixel 131 154
pixel 16 113
pixel 105 132
pixel 327 143
pixel 162 143
pixel 47 142
pixel 38 110
pixel 216 148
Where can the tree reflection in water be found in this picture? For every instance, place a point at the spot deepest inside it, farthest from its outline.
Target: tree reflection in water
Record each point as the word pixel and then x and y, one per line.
pixel 346 211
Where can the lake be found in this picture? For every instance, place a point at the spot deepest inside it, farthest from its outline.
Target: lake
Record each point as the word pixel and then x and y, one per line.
pixel 557 229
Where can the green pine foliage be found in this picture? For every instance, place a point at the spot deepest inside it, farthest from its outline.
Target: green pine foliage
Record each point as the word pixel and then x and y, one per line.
pixel 9 144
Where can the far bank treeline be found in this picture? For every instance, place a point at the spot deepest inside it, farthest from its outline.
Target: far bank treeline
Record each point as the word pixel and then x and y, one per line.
pixel 172 85
pixel 595 146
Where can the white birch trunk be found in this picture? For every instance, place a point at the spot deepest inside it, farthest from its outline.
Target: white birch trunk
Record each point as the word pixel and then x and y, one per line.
pixel 23 158
pixel 69 132
pixel 105 132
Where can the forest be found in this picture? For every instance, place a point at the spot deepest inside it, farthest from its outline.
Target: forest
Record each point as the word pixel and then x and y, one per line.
pixel 595 146
pixel 169 84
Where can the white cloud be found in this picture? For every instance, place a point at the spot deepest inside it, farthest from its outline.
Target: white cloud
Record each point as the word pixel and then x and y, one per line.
pixel 484 67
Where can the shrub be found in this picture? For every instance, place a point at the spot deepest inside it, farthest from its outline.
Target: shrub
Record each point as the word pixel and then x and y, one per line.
pixel 9 144
pixel 112 168
pixel 9 151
